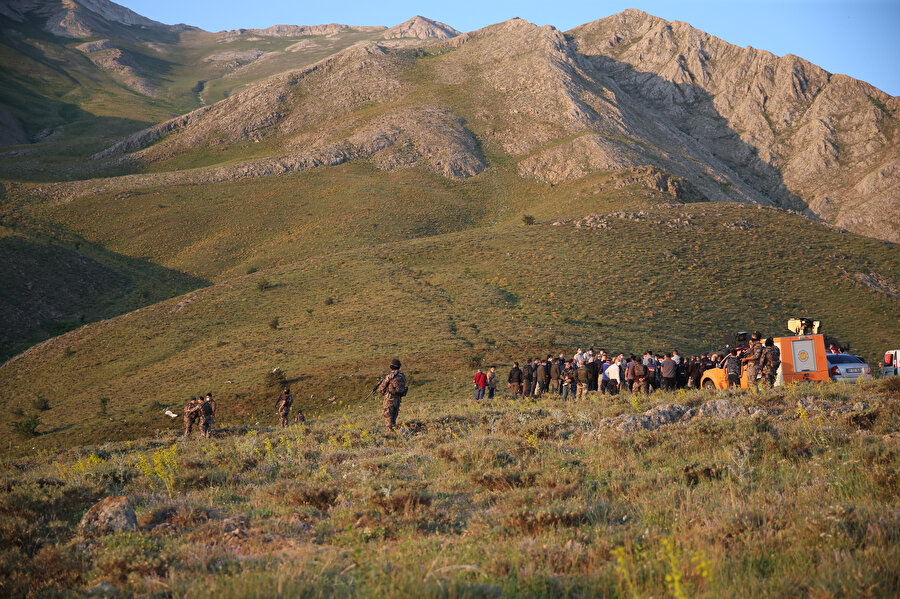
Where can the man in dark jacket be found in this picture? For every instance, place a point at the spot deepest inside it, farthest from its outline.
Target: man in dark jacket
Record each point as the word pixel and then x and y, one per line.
pixel 527 379
pixel 514 380
pixel 555 372
pixel 541 378
pixel 581 381
pixel 593 372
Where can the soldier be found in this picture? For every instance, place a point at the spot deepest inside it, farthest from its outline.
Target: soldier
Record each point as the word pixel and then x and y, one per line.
pixel 393 387
pixel 284 406
pixel 771 360
pixel 207 412
pixel 191 412
pixel 752 359
pixel 568 381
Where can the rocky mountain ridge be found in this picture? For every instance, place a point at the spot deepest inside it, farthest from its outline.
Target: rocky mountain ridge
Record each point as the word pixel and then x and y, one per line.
pixel 628 91
pixel 80 19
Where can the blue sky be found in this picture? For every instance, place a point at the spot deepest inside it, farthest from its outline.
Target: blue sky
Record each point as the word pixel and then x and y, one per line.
pixel 860 38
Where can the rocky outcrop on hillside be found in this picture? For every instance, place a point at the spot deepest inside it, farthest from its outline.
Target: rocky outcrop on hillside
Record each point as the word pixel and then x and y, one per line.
pixel 421 28
pixel 81 19
pixel 297 30
pixel 119 64
pixel 783 121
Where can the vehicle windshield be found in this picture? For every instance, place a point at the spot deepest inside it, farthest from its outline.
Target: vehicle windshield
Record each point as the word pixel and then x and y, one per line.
pixel 843 359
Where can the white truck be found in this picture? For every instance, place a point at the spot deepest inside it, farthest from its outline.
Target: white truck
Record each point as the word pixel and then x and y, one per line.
pixel 890 366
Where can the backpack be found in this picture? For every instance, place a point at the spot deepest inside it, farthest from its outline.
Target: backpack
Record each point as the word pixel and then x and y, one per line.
pixel 640 371
pixel 397 386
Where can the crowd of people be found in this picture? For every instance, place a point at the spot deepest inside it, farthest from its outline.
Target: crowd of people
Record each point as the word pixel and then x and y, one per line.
pixel 605 373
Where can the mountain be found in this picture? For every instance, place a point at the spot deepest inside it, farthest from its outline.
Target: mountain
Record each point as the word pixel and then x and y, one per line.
pixel 421 28
pixel 80 19
pixel 831 139
pixel 746 126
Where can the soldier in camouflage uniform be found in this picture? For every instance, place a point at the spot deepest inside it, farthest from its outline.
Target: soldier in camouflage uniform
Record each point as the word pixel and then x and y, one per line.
pixel 206 412
pixel 284 406
pixel 191 413
pixel 771 360
pixel 753 358
pixel 393 388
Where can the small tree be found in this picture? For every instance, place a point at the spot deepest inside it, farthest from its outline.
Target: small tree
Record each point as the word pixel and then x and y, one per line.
pixel 41 403
pixel 27 428
pixel 103 402
pixel 528 219
pixel 273 324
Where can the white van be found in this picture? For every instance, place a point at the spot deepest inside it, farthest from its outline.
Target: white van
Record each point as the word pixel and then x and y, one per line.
pixel 891 364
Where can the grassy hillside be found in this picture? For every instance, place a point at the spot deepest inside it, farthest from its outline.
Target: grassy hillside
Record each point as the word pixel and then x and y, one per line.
pixel 678 276
pixel 496 499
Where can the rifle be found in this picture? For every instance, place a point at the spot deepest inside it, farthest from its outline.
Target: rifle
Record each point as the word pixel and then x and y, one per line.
pixel 374 390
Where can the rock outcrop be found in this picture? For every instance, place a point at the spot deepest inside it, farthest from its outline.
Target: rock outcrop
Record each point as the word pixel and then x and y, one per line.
pixel 421 28
pixel 111 515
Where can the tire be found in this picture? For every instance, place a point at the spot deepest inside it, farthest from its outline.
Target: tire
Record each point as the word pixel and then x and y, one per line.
pixel 708 384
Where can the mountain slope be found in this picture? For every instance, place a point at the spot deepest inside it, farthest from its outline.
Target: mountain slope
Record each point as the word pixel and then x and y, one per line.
pixel 658 274
pixel 833 139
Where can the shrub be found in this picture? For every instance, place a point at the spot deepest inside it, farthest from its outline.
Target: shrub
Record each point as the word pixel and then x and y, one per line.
pixel 528 219
pixel 163 468
pixel 41 403
pixel 103 402
pixel 252 270
pixel 27 428
pixel 275 378
pixel 476 360
pixel 263 284
pixel 273 324
pixel 329 300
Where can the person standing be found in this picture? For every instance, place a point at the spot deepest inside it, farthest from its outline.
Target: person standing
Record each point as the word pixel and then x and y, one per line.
pixel 284 406
pixel 593 365
pixel 555 371
pixel 393 388
pixel 568 381
pixel 514 380
pixel 527 379
pixel 540 378
pixel 612 374
pixel 771 360
pixel 480 384
pixel 669 370
pixel 640 374
pixel 582 377
pixel 191 413
pixel 491 382
pixel 732 366
pixel 752 359
pixel 207 410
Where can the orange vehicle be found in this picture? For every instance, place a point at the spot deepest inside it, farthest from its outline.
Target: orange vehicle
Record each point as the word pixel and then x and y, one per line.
pixel 802 358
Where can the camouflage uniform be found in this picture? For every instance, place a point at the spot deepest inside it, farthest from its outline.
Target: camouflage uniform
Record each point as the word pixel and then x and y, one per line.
pixel 206 418
pixel 771 360
pixel 284 407
pixel 754 358
pixel 393 388
pixel 191 413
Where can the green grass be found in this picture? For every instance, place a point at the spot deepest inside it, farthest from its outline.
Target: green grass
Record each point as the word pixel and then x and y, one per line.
pixel 499 499
pixel 502 290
